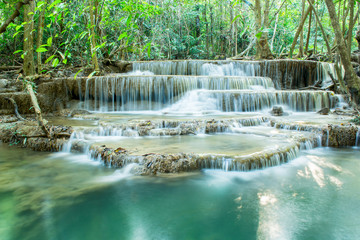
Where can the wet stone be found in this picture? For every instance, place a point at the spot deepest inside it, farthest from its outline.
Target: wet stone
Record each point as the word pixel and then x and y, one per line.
pixel 278 111
pixel 324 111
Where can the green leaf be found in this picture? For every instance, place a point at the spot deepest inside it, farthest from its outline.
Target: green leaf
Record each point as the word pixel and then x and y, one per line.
pixel 64 61
pixel 17 51
pixel 123 35
pixel 128 21
pixel 49 59
pixel 149 49
pixel 55 62
pixel 49 41
pixel 237 16
pixel 41 49
pixel 258 35
pixel 78 73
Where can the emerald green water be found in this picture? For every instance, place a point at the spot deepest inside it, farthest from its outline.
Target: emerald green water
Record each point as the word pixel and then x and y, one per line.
pixel 66 196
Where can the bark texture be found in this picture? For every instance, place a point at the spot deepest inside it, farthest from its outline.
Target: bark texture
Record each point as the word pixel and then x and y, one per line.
pixel 262 46
pixel 350 78
pixel 28 66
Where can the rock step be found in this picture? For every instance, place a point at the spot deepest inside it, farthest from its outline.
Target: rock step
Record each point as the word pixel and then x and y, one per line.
pixel 286 74
pixel 170 127
pixel 184 162
pixel 332 135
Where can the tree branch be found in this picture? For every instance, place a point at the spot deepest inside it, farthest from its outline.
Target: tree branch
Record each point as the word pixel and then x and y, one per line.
pixel 15 14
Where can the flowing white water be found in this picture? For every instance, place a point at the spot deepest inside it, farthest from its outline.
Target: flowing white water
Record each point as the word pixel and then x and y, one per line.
pixel 357 143
pixel 249 101
pixel 183 93
pixel 134 93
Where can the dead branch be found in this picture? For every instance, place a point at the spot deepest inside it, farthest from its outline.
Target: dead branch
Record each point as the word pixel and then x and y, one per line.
pixel 15 14
pixel 16 109
pixel 37 110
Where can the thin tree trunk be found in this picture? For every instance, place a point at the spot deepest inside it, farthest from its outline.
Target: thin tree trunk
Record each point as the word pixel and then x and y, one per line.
pixel 262 46
pixel 308 35
pixel 40 36
pixel 38 114
pixel 300 28
pixel 273 37
pixel 211 29
pixel 207 31
pixel 231 39
pixel 93 39
pixel 345 13
pixel 351 26
pixel 321 28
pixel 28 67
pixel 301 45
pixel 350 76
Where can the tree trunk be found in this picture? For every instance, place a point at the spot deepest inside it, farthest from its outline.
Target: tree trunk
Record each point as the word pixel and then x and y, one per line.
pixel 357 37
pixel 351 26
pixel 40 35
pixel 207 31
pixel 300 28
pixel 28 66
pixel 15 14
pixel 262 45
pixel 308 35
pixel 38 114
pixel 301 45
pixel 350 76
pixel 321 28
pixel 93 39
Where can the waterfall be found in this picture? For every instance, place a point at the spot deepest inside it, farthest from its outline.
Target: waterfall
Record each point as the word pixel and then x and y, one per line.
pixel 357 142
pixel 199 87
pixel 250 101
pixel 327 137
pixel 286 74
pixel 134 93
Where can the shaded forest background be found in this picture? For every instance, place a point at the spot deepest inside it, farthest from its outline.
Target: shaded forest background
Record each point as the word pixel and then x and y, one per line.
pixel 166 29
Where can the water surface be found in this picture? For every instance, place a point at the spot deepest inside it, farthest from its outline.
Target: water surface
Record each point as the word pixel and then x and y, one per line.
pixel 67 196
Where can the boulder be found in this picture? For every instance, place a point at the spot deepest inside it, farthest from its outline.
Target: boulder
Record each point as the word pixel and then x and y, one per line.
pixel 277 111
pixel 4 83
pixel 324 111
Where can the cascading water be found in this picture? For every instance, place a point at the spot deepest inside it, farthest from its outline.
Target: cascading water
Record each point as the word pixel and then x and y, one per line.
pixel 209 92
pixel 134 93
pixel 191 88
pixel 357 142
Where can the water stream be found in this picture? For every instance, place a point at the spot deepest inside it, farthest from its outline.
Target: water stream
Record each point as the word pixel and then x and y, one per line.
pixel 54 196
pixel 255 179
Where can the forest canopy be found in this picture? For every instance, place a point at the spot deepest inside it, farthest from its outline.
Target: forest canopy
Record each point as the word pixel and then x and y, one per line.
pixel 74 31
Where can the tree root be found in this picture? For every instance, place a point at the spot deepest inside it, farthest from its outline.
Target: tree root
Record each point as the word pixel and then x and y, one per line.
pixel 16 109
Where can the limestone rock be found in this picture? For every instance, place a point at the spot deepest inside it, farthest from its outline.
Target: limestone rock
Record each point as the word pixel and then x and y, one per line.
pixel 324 111
pixel 277 111
pixel 4 83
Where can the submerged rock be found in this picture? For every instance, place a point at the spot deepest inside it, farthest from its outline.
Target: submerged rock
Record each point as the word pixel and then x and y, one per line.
pixel 79 112
pixel 278 111
pixel 324 111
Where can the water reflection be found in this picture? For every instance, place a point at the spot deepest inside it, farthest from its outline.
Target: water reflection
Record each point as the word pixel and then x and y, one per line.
pixel 53 196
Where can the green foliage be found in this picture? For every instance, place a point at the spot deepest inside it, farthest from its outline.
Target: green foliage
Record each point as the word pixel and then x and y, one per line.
pixel 166 29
